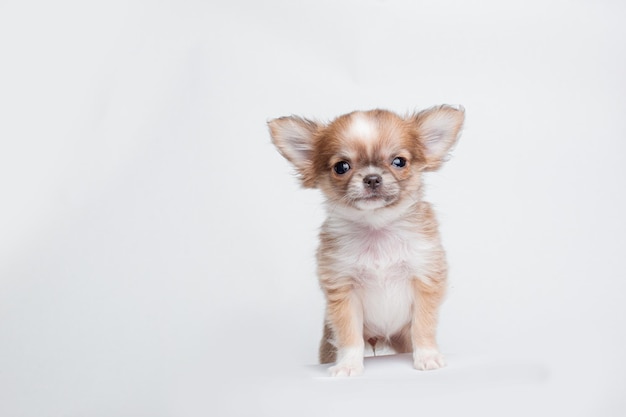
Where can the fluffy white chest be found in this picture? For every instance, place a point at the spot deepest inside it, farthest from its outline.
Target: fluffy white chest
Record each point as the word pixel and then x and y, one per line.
pixel 382 263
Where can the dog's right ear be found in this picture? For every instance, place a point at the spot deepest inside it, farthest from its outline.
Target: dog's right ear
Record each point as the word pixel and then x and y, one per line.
pixel 295 139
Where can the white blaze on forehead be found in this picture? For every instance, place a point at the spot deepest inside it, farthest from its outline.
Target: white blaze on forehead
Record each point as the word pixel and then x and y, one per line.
pixel 363 128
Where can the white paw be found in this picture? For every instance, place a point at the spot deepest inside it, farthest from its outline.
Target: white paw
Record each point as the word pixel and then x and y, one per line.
pixel 428 359
pixel 346 369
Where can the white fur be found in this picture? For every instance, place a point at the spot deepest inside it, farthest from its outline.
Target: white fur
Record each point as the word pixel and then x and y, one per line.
pixel 349 362
pixel 437 134
pixel 387 297
pixel 356 189
pixel 426 359
pixel 362 128
pixel 294 140
pixel 383 252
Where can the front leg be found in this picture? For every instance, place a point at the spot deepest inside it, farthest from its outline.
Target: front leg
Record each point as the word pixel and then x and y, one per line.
pixel 427 298
pixel 344 316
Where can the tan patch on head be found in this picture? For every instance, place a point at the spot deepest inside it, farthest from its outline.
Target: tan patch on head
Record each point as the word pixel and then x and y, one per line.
pixel 368 141
pixel 372 137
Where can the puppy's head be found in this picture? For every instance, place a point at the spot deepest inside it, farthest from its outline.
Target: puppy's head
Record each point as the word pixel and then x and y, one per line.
pixel 368 160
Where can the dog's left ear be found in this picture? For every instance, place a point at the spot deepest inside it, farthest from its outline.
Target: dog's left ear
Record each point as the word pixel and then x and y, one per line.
pixel 438 129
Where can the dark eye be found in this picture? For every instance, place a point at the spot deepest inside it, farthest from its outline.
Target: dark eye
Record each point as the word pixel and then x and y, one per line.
pixel 398 162
pixel 341 167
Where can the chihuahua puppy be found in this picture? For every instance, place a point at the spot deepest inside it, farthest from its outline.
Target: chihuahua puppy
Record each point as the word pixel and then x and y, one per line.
pixel 380 261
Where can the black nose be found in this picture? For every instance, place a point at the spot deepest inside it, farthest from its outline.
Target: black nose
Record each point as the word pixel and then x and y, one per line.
pixel 373 181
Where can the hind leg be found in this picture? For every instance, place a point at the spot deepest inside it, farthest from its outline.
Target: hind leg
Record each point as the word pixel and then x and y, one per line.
pixel 401 342
pixel 328 351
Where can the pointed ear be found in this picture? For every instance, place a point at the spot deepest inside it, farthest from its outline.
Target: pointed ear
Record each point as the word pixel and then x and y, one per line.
pixel 438 129
pixel 295 139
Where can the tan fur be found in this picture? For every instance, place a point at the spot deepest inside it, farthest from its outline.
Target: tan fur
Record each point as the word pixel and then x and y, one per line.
pixel 379 241
pixel 424 324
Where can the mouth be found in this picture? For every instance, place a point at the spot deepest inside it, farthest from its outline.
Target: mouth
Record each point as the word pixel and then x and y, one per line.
pixel 373 201
pixel 371 198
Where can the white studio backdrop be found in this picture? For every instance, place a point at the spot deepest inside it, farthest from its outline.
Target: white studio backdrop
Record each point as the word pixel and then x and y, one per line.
pixel 157 254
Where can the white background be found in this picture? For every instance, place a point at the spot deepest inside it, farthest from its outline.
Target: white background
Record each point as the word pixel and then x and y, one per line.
pixel 156 253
